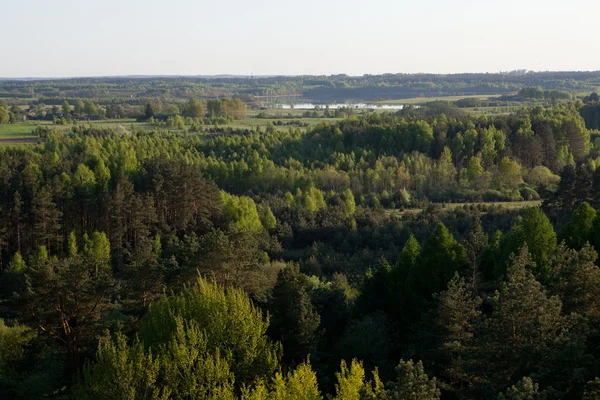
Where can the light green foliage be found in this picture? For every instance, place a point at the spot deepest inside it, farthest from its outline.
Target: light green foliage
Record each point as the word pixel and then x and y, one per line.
pixel 230 322
pixel 540 176
pixel 412 383
pixel 351 384
pixel 4 115
pixel 17 264
pixel 410 253
pixel 312 199
pixel 508 174
pixel 72 245
pixel 268 220
pixel 349 203
pixel 121 372
pixel 300 384
pixel 350 381
pixel 84 177
pixel 241 212
pixel 97 248
pixel 189 370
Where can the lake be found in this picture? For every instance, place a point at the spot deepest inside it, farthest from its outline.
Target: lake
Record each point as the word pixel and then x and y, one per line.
pixel 311 106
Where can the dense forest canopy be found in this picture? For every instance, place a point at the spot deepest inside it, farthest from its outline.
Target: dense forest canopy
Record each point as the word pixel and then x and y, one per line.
pixel 173 260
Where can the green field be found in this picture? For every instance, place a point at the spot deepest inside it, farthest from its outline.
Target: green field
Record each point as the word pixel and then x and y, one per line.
pixel 17 131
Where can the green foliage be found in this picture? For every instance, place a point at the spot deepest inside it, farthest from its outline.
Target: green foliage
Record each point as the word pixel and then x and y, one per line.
pixel 579 229
pixel 121 372
pixel 412 383
pixel 234 329
pixel 537 233
pixel 441 257
pixel 294 320
pixel 525 389
pixel 13 343
pixel 268 220
pixel 241 212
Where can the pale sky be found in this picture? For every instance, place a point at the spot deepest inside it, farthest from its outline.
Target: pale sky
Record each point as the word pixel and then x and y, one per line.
pixel 43 38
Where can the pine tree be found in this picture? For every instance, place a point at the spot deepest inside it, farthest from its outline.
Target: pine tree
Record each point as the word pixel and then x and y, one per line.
pixel 412 383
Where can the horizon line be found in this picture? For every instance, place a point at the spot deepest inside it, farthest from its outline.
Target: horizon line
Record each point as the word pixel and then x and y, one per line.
pixel 233 76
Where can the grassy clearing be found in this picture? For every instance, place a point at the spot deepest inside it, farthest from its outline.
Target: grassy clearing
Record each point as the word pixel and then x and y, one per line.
pixel 421 100
pixel 510 205
pixel 262 122
pixel 17 131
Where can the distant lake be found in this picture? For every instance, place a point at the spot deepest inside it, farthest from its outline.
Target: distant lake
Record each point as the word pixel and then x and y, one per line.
pixel 311 106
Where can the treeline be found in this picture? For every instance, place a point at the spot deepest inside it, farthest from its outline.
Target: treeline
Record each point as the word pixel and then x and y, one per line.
pixel 334 88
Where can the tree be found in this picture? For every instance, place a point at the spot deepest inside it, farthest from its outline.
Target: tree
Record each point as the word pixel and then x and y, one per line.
pixel 295 323
pixel 412 383
pixel 441 257
pixel 456 316
pixel 531 322
pixel 234 329
pixel 66 108
pixel 4 115
pixel 349 203
pixel 476 243
pixel 268 220
pixel 120 372
pixel 351 383
pixel 525 389
pixel 149 113
pixel 300 383
pixel 193 109
pixel 579 229
pixel 66 298
pixel 90 108
pixel 535 231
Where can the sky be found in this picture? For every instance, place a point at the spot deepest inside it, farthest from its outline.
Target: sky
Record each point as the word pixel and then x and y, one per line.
pixel 71 38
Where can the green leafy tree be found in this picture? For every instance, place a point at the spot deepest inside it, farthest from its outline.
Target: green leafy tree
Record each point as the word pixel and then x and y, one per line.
pixel 536 232
pixel 66 108
pixel 193 109
pixel 580 228
pixel 233 327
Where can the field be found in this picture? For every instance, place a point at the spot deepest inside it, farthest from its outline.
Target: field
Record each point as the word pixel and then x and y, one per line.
pixel 262 122
pixel 17 133
pixel 510 205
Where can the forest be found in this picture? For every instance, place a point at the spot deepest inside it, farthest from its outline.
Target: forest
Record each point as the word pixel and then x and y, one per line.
pixel 321 89
pixel 424 253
